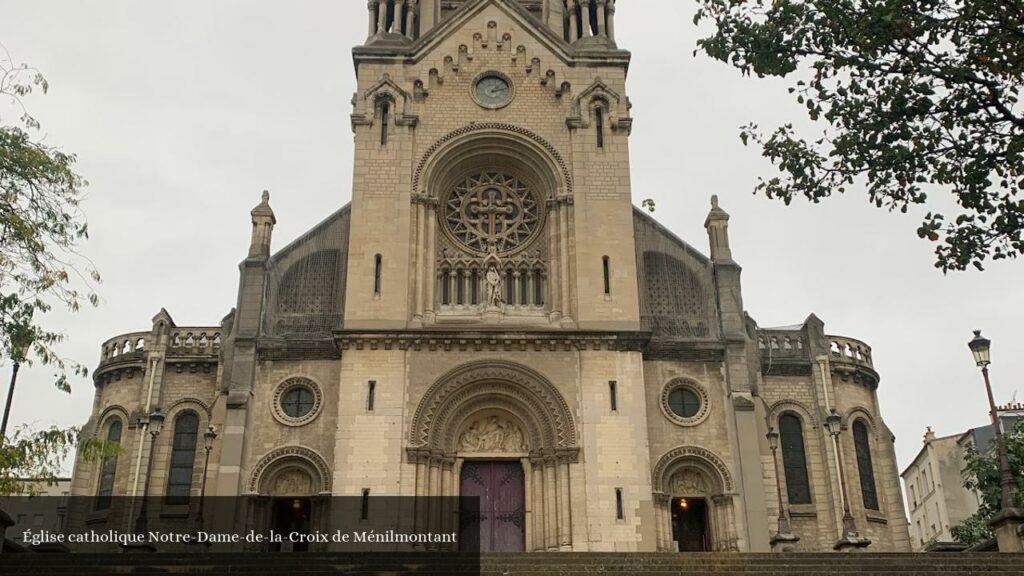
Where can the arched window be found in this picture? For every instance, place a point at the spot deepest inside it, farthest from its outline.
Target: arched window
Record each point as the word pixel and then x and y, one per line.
pixel 108 468
pixel 599 124
pixel 385 113
pixel 867 472
pixel 794 459
pixel 183 458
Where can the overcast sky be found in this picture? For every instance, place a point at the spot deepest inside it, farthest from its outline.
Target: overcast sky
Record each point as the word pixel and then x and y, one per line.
pixel 182 111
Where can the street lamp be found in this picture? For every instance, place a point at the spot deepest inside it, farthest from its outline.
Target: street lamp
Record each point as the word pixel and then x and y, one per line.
pixel 155 422
pixel 851 536
pixel 19 356
pixel 208 437
pixel 783 533
pixel 981 349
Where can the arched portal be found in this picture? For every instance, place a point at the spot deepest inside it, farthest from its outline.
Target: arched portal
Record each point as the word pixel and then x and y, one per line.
pixel 694 494
pixel 289 491
pixel 497 424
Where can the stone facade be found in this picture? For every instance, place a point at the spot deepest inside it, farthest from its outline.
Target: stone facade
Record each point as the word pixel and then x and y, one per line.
pixel 491 295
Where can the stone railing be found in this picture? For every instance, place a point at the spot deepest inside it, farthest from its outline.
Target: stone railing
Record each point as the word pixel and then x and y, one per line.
pixel 845 350
pixel 200 341
pixel 126 347
pixel 781 344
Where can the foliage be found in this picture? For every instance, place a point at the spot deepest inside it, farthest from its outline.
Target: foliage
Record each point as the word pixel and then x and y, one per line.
pixel 918 95
pixel 983 477
pixel 41 227
pixel 40 456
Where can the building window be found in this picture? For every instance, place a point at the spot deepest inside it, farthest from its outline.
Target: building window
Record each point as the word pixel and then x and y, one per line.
pixel 297 402
pixel 684 402
pixel 613 395
pixel 794 459
pixel 606 263
pixel 108 468
pixel 620 513
pixel 183 458
pixel 385 112
pixel 864 465
pixel 599 124
pixel 446 288
pixel 364 513
pixel 378 265
pixel 371 395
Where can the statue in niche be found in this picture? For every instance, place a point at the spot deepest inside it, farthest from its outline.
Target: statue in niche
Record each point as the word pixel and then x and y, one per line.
pixel 688 482
pixel 493 279
pixel 292 483
pixel 492 435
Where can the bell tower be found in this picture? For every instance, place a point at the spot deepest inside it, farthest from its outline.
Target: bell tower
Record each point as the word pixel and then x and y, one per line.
pixel 491 171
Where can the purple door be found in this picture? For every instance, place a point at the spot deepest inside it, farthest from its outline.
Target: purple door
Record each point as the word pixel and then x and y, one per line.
pixel 502 519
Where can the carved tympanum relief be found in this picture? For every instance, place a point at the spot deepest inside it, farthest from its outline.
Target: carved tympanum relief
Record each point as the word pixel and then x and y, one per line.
pixel 292 483
pixel 492 434
pixel 688 482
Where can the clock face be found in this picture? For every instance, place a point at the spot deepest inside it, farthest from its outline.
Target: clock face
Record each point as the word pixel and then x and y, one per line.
pixel 493 91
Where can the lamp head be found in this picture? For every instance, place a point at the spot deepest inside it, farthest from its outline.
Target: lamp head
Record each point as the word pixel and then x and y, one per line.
pixel 156 422
pixel 834 422
pixel 980 348
pixel 208 437
pixel 773 439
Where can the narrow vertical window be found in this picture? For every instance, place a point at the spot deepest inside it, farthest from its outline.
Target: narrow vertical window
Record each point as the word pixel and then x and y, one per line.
pixel 510 288
pixel 607 275
pixel 378 271
pixel 794 459
pixel 599 124
pixel 364 513
pixel 613 395
pixel 474 287
pixel 460 287
pixel 183 458
pixel 371 395
pixel 385 113
pixel 538 289
pixel 446 288
pixel 524 288
pixel 108 468
pixel 864 465
pixel 620 513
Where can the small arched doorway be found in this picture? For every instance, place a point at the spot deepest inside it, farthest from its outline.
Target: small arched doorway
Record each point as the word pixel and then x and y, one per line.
pixel 694 502
pixel 289 492
pixel 501 432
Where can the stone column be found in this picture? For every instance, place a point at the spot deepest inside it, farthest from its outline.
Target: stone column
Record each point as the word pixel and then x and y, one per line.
pixel 537 481
pixel 601 21
pixel 382 16
pixel 585 18
pixel 371 9
pixel 611 20
pixel 553 296
pixel 422 274
pixel 564 514
pixel 563 254
pixel 572 21
pixel 410 19
pixel 550 503
pixel 430 277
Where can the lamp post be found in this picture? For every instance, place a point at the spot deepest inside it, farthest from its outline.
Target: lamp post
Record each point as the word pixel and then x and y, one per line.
pixel 1006 521
pixel 208 437
pixel 154 423
pixel 851 536
pixel 20 354
pixel 784 538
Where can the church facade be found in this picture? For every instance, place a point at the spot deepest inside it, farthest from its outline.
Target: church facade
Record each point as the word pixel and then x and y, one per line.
pixel 492 316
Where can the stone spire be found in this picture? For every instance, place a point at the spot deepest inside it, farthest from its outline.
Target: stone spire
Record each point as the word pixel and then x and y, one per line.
pixel 263 221
pixel 717 225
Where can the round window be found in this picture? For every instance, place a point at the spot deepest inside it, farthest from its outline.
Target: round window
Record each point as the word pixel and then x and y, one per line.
pixel 297 401
pixel 684 402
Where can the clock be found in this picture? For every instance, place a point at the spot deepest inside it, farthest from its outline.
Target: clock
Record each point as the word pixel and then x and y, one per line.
pixel 492 90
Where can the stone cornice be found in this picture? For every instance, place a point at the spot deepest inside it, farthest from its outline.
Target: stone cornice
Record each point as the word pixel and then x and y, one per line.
pixel 488 340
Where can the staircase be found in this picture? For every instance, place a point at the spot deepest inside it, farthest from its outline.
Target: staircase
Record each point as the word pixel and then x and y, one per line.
pixel 562 564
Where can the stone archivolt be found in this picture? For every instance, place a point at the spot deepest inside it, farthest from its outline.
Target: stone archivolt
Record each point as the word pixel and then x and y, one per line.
pixel 266 474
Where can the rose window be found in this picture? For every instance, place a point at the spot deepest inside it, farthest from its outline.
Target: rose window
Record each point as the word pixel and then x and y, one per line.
pixel 491 212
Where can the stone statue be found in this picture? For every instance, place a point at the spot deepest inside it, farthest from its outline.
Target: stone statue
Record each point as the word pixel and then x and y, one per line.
pixel 493 287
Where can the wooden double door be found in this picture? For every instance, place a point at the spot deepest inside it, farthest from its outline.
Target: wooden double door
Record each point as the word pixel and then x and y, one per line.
pixel 500 523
